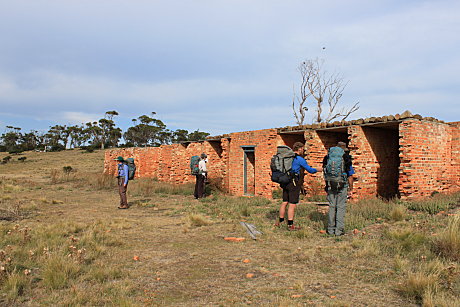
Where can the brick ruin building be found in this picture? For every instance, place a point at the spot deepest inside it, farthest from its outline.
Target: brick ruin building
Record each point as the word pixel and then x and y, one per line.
pixel 407 156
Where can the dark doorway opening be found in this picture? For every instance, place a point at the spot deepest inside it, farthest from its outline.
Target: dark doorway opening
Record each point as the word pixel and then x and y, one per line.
pixel 330 138
pixel 290 139
pixel 249 167
pixel 384 142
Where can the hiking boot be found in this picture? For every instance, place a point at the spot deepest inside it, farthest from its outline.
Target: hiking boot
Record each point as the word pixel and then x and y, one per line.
pixel 123 207
pixel 294 227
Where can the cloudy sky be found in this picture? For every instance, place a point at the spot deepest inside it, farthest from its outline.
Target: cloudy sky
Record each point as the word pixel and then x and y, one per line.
pixel 221 66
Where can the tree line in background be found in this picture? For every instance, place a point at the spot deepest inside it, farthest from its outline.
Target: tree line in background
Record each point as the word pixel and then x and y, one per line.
pixel 146 131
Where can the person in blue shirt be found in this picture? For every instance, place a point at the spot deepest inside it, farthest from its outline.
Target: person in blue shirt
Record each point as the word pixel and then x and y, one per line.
pixel 337 198
pixel 291 191
pixel 122 175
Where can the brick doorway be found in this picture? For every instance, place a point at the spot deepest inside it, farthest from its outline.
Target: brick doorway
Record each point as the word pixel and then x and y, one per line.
pixel 384 143
pixel 249 168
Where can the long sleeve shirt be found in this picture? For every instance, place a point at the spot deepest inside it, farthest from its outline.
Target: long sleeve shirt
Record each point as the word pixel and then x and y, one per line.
pixel 299 163
pixel 123 171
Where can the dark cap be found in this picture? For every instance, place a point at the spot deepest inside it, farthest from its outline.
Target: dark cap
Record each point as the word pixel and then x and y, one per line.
pixel 120 159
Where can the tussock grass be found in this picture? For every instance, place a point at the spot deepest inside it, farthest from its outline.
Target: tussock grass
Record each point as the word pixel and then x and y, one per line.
pixel 371 209
pixel 100 181
pixel 398 213
pixel 405 240
pixel 368 249
pixel 447 244
pixel 436 299
pixel 198 220
pixel 61 176
pixel 14 285
pixel 417 284
pixel 424 282
pixel 58 272
pixel 55 255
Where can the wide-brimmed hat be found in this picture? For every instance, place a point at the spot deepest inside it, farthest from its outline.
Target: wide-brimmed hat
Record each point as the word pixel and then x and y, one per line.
pixel 120 158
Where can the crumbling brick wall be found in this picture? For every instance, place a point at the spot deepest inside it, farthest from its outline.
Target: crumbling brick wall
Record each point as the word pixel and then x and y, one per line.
pixel 455 132
pixel 265 143
pixel 413 158
pixel 316 146
pixel 426 158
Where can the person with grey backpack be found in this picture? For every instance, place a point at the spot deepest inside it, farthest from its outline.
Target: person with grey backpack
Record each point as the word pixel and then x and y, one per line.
pixel 338 174
pixel 122 178
pixel 286 167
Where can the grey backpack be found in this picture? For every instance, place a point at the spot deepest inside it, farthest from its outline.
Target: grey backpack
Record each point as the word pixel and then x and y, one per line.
pixel 281 164
pixel 131 168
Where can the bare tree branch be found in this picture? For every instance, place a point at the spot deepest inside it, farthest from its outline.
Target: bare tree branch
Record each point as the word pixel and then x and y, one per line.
pixel 322 91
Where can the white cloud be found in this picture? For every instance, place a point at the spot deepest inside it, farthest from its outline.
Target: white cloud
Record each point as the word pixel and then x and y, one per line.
pixel 78 117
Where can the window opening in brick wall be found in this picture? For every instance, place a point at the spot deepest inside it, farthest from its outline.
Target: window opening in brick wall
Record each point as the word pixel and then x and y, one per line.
pixel 249 168
pixel 384 143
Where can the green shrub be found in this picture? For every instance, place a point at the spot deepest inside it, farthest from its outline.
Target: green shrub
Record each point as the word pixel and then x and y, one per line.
pixel 6 159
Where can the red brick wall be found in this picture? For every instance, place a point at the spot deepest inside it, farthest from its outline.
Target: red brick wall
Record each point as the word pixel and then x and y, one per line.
pixel 426 158
pixel 421 158
pixel 317 144
pixel 455 131
pixel 266 142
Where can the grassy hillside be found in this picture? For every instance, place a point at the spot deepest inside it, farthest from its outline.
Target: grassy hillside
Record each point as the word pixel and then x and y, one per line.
pixel 64 242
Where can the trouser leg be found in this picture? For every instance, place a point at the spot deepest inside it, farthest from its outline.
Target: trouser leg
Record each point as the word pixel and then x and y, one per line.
pixel 341 208
pixel 331 226
pixel 195 193
pixel 201 186
pixel 122 191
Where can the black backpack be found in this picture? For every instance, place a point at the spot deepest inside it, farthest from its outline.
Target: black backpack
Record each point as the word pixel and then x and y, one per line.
pixel 281 164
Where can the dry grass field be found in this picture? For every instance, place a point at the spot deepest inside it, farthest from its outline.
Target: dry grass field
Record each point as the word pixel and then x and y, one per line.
pixel 64 242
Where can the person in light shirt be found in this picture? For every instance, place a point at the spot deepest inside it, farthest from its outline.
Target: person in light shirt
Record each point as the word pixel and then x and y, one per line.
pixel 200 182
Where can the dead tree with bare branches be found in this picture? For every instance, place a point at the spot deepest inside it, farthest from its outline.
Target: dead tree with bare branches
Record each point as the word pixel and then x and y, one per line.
pixel 322 91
